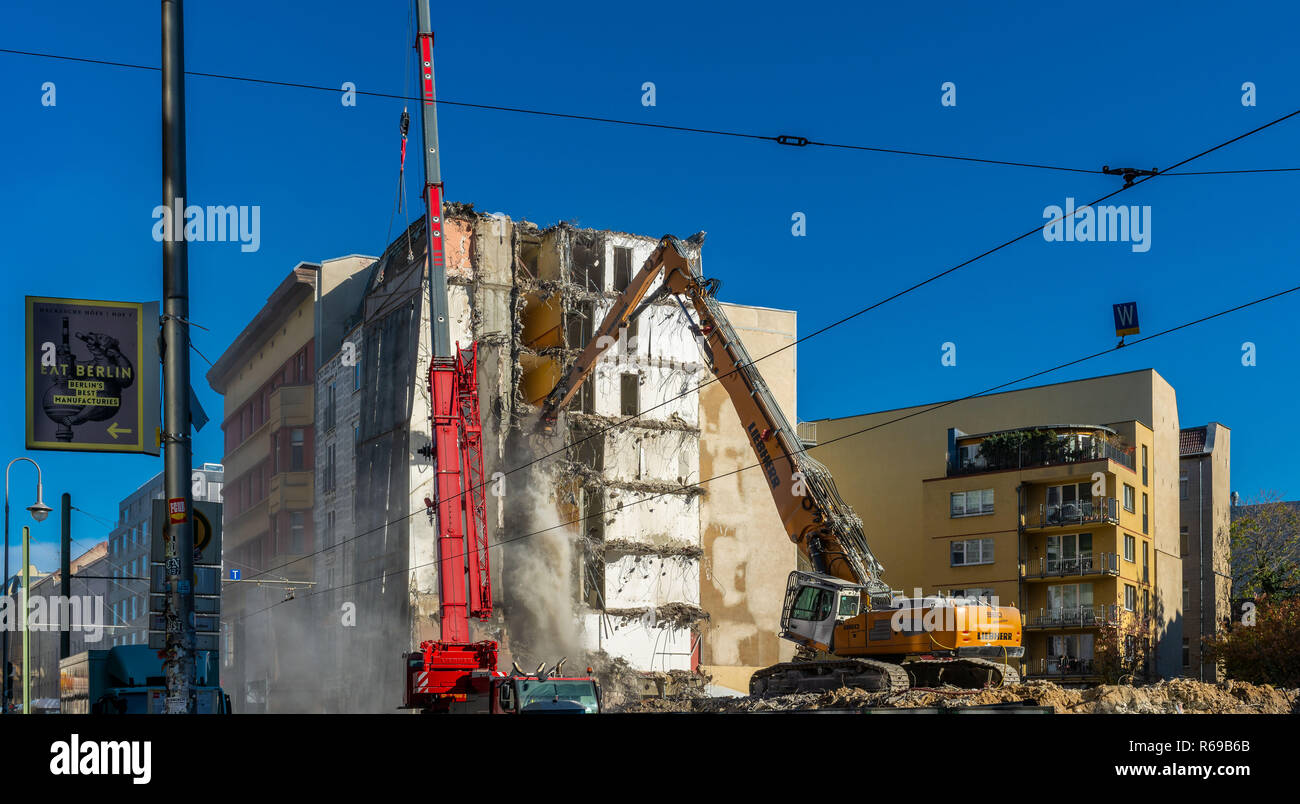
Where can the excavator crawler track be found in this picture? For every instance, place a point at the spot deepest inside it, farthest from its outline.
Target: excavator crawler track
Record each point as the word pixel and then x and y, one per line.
pixel 964 673
pixel 829 674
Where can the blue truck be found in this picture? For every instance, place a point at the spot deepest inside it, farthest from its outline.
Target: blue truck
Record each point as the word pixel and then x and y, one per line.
pixel 128 680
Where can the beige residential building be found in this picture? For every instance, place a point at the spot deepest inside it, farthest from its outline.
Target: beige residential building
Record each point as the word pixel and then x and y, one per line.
pixel 1075 521
pixel 1205 499
pixel 265 377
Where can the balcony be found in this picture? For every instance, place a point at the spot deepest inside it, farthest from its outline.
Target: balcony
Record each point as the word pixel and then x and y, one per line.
pixel 1061 667
pixel 1034 447
pixel 290 490
pixel 1103 511
pixel 292 406
pixel 1100 564
pixel 1074 617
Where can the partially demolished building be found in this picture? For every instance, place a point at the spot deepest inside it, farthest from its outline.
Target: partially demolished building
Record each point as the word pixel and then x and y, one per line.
pixel 609 545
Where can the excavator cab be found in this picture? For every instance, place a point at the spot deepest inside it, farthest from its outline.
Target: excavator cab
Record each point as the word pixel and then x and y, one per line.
pixel 815 604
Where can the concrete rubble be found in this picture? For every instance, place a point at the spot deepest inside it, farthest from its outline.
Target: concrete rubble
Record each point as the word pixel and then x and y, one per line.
pixel 1176 696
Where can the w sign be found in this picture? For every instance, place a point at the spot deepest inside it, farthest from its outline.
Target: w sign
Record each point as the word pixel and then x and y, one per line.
pixel 1126 318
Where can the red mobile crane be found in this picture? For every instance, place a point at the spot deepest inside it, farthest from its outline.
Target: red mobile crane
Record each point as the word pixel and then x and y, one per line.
pixel 452 673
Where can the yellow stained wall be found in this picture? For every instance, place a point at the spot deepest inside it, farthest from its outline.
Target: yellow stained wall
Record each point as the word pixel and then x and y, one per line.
pixel 747 554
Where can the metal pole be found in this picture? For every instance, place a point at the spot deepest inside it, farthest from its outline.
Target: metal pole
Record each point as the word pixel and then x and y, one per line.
pixel 4 699
pixel 178 529
pixel 27 651
pixel 65 580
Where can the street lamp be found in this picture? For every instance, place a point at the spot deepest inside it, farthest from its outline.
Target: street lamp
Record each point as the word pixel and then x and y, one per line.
pixel 39 510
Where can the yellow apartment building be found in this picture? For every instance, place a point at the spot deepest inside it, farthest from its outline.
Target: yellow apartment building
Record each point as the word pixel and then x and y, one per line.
pixel 1052 517
pixel 1061 500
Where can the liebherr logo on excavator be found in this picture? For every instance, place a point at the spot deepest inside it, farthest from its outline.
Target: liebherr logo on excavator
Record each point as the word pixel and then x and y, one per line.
pixel 764 457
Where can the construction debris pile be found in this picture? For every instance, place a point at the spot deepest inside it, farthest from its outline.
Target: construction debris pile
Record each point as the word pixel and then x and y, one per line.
pixel 1177 696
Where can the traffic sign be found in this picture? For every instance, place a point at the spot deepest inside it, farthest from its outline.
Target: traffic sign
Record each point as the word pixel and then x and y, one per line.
pixel 92 375
pixel 207 530
pixel 1126 318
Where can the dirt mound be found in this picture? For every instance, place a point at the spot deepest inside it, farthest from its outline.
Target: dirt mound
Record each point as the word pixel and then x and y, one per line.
pixel 1176 696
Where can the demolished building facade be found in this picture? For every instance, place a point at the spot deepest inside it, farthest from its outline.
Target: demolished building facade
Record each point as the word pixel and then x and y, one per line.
pixel 601 530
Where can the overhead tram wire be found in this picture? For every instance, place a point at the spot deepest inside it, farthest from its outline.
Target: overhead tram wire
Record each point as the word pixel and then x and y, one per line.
pixel 855 433
pixel 784 139
pixel 845 319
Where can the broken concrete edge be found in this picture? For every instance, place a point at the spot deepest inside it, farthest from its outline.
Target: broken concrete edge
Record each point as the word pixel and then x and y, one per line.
pixel 679 615
pixel 631 548
pixel 594 421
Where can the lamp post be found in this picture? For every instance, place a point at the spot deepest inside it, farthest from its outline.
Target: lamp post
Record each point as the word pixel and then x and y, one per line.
pixel 39 511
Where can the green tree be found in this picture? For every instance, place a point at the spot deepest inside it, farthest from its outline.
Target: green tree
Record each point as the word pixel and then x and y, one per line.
pixel 1265 540
pixel 1265 648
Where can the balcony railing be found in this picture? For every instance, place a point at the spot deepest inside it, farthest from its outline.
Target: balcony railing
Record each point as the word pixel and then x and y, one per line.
pixel 1076 616
pixel 1063 666
pixel 1104 510
pixel 1062 451
pixel 1100 564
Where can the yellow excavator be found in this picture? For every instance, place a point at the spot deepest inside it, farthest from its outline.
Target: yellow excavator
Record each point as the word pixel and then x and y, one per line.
pixel 851 630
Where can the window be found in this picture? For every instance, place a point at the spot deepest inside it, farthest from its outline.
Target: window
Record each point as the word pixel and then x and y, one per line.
pixel 630 332
pixel 971 503
pixel 629 391
pixel 329 470
pixel 1129 498
pixel 302 367
pixel 1146 603
pixel 1144 513
pixel 1130 597
pixel 1130 548
pixel 622 268
pixel 1186 596
pixel 331 406
pixel 329 530
pixel 968 552
pixel 1070 502
pixel 1069 552
pixel 968 457
pixel 297 532
pixel 275 452
pixel 356 434
pixel 1187 653
pixel 1182 486
pixel 1182 535
pixel 1144 464
pixel 1069 596
pixel 297 443
pixel 1146 573
pixel 981 593
pixel 356 374
pixel 812 604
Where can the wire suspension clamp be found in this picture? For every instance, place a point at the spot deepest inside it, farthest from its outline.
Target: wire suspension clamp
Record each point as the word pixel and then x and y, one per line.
pixel 1129 174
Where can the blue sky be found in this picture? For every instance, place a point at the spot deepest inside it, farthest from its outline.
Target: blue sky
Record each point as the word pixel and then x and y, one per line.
pixel 1106 83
